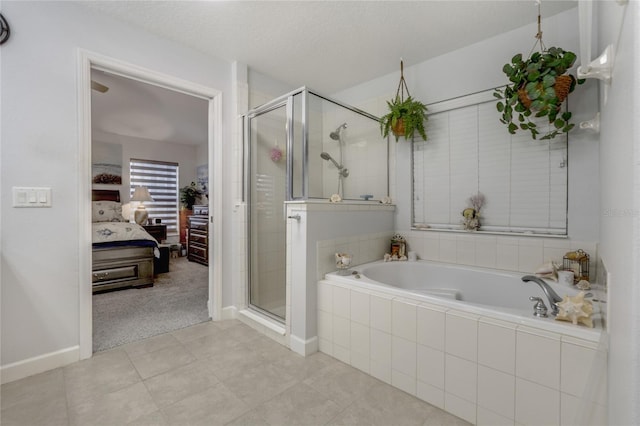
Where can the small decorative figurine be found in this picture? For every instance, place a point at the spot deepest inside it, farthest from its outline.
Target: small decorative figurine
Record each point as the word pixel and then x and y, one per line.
pixel 575 310
pixel 471 215
pixel 335 198
pixel 398 247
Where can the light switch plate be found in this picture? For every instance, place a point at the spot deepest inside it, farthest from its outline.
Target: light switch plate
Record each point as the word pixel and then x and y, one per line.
pixel 31 196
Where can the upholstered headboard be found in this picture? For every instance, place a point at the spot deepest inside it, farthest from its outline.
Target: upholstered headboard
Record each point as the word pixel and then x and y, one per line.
pixel 105 195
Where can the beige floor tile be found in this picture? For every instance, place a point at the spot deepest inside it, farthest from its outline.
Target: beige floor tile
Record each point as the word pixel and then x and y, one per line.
pixel 115 408
pixel 242 333
pixel 385 405
pixel 45 410
pixel 304 367
pixel 33 389
pixel 442 418
pixel 252 418
pixel 227 323
pixel 161 361
pixel 103 373
pixel 216 405
pixel 149 345
pixel 341 383
pixel 298 405
pixel 211 374
pixel 234 361
pixel 269 349
pixel 196 331
pixel 259 384
pixel 211 345
pixel 177 384
pixel 154 419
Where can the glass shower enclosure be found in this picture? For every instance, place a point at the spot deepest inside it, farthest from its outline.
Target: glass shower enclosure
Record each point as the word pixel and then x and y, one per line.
pixel 302 146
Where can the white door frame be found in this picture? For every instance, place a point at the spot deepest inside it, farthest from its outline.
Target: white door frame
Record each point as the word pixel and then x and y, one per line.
pixel 87 61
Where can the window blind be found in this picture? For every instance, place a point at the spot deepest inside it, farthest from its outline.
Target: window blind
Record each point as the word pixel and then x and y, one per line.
pixel 161 178
pixel 469 151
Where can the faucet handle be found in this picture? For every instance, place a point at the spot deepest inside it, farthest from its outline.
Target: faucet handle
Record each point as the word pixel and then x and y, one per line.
pixel 539 309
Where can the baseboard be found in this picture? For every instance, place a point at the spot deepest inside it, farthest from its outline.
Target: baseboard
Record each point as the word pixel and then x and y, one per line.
pixel 303 347
pixel 229 312
pixel 39 364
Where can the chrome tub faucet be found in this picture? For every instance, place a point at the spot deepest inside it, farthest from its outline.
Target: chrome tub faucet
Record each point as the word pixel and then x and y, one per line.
pixel 548 291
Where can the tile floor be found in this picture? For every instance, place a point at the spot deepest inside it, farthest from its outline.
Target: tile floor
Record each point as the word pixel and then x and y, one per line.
pixel 222 373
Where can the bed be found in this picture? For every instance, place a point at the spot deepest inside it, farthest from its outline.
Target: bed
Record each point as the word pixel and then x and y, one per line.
pixel 123 252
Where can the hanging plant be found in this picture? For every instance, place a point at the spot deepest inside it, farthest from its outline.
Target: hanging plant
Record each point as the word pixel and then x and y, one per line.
pixel 406 116
pixel 539 86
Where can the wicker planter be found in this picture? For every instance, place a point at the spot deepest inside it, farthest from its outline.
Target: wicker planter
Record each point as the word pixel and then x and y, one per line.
pixel 562 87
pixel 398 129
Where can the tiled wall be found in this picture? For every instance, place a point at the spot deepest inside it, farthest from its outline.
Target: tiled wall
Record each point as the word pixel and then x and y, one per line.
pixel 364 249
pixel 510 253
pixel 486 371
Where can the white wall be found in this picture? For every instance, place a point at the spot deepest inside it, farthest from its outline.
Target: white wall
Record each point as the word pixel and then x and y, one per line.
pixel 40 247
pixel 477 68
pixel 620 199
pixel 187 156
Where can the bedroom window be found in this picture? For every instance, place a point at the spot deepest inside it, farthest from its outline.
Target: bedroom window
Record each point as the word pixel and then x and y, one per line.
pixel 162 180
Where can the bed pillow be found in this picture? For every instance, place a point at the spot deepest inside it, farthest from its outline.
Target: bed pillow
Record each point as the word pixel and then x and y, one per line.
pixel 106 211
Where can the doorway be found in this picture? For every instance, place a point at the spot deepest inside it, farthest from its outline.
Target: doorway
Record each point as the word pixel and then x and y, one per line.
pixel 89 63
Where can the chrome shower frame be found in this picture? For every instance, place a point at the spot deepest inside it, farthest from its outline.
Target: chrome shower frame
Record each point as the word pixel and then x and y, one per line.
pixel 288 100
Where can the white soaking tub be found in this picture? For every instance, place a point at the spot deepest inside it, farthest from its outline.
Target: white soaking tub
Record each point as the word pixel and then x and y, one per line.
pixel 499 294
pixel 465 340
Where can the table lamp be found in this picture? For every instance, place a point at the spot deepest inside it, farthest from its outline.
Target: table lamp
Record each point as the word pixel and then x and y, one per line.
pixel 141 194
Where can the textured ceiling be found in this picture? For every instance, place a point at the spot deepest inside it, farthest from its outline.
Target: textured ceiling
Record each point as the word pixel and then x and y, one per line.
pixel 325 45
pixel 328 45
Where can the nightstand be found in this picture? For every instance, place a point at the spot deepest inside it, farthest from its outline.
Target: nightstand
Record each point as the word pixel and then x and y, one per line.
pixel 159 232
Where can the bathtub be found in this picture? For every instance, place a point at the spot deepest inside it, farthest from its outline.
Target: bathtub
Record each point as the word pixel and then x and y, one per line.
pixel 465 340
pixel 488 292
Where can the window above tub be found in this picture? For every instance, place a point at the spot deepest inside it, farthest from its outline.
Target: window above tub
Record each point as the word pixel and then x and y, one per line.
pixel 469 151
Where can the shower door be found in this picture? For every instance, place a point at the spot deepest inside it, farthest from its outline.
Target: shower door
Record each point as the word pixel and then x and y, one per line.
pixel 266 194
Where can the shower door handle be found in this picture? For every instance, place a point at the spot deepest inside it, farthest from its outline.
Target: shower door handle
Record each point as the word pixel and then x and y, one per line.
pixel 295 216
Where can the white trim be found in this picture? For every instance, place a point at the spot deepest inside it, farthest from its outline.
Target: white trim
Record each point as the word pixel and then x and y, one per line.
pixel 229 312
pixel 264 322
pixel 39 364
pixel 303 347
pixel 90 60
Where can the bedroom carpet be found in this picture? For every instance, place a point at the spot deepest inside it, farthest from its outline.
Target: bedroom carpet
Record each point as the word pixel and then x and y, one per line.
pixel 178 299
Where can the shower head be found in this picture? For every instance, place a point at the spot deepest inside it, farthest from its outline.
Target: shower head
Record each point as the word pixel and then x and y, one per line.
pixel 335 135
pixel 342 171
pixel 326 156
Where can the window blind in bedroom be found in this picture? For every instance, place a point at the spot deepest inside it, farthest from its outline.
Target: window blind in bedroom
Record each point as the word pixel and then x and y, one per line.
pixel 161 178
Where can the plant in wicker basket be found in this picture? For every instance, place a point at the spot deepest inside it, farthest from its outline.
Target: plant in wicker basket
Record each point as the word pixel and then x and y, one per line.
pixel 406 116
pixel 538 87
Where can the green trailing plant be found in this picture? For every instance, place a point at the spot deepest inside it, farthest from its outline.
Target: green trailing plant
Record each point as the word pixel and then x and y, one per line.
pixel 189 194
pixel 538 87
pixel 405 117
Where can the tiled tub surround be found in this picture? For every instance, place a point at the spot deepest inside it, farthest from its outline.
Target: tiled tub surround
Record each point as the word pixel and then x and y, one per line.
pixel 481 365
pixel 510 253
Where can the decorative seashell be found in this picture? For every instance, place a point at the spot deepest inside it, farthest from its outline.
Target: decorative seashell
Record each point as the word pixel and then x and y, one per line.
pixel 335 198
pixel 584 285
pixel 385 200
pixel 575 310
pixel 387 257
pixel 547 268
pixel 549 271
